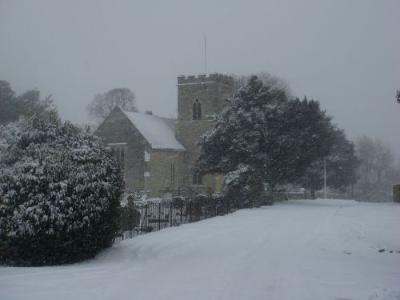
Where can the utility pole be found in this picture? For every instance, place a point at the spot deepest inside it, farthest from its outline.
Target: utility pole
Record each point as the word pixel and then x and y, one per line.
pixel 324 178
pixel 396 187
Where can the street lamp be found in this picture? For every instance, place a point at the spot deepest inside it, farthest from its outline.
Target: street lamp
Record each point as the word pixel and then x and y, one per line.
pixel 325 178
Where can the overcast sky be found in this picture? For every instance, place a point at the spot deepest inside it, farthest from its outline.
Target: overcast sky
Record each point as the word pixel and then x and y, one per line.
pixel 346 54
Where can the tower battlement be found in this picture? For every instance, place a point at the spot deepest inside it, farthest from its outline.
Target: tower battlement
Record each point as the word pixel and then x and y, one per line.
pixel 215 77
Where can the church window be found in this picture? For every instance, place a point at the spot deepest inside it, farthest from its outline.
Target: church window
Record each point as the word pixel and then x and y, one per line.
pixel 197 178
pixel 172 174
pixel 146 156
pixel 197 110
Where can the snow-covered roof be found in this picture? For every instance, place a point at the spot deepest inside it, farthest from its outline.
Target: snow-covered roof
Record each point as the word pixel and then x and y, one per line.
pixel 158 131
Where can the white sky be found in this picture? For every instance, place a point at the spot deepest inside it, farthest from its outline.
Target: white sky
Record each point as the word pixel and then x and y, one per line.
pixel 344 53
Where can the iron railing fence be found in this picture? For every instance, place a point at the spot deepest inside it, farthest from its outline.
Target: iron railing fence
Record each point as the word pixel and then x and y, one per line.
pixel 140 217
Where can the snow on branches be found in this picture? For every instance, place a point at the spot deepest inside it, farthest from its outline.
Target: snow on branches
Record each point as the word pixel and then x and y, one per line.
pixel 59 190
pixel 274 136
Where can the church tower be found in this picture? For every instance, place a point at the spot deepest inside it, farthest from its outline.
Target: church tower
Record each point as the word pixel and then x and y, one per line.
pixel 200 100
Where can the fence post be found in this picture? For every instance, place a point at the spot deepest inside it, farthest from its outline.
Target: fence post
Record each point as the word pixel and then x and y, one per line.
pixel 170 214
pixel 146 222
pixel 190 212
pixel 159 216
pixel 182 203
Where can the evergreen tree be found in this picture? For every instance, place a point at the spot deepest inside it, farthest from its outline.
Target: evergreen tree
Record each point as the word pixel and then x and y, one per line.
pixel 26 105
pixel 267 79
pixel 30 104
pixel 8 108
pixel 264 137
pixel 341 166
pixel 59 195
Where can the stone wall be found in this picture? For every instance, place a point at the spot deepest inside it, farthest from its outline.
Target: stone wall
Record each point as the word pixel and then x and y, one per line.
pixel 116 128
pixel 212 92
pixel 165 171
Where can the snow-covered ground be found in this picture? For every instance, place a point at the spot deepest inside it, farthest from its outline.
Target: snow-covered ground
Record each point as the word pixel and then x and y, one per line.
pixel 322 249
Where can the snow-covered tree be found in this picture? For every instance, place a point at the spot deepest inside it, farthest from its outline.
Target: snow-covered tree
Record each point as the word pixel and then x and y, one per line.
pixel 272 137
pixel 243 186
pixel 341 166
pixel 59 194
pixel 8 134
pixel 267 79
pixel 103 104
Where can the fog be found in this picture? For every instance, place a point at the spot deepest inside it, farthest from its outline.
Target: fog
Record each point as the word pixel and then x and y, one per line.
pixel 346 54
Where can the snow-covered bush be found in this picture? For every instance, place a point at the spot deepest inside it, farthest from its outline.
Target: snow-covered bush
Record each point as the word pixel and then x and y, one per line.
pixel 59 195
pixel 243 187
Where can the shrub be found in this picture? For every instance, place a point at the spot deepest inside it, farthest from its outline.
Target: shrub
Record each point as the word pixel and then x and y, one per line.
pixel 59 195
pixel 243 188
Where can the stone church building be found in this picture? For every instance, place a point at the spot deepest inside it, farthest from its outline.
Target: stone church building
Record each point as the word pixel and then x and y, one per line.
pixel 158 154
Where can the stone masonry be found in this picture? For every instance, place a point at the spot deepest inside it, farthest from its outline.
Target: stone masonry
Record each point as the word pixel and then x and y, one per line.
pixel 159 169
pixel 212 93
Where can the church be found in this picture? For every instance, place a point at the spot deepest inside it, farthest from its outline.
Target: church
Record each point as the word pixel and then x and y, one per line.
pixel 158 155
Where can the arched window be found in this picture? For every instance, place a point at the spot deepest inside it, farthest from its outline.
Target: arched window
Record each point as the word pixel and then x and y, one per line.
pixel 197 178
pixel 197 110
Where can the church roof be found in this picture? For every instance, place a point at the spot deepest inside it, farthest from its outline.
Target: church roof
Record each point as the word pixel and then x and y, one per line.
pixel 158 131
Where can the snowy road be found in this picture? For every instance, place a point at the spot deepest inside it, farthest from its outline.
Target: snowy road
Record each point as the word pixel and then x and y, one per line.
pixel 323 249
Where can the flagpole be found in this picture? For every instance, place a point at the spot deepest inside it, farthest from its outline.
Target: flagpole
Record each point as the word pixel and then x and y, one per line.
pixel 205 54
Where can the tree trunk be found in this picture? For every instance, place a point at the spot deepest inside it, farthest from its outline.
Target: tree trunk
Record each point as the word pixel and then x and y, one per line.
pixel 270 194
pixel 312 192
pixel 352 191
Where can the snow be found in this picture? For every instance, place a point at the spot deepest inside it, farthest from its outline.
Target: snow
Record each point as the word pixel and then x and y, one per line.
pixel 303 249
pixel 156 130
